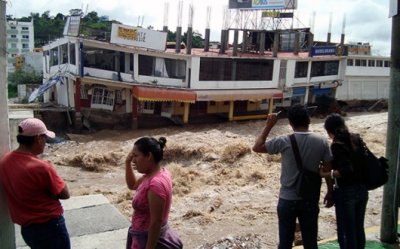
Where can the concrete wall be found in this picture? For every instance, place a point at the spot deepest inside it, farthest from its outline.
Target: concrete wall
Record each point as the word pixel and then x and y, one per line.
pixel 15 117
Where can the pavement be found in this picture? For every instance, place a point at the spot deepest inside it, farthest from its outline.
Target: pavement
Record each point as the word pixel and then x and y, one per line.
pixel 372 241
pixel 92 222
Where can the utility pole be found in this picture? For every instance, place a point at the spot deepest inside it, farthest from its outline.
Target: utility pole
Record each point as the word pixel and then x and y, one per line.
pixel 7 234
pixel 389 214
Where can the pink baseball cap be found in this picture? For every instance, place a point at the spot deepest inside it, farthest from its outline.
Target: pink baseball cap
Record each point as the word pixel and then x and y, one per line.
pixel 34 127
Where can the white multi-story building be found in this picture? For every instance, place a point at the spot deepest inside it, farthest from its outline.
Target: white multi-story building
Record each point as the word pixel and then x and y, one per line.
pixel 20 40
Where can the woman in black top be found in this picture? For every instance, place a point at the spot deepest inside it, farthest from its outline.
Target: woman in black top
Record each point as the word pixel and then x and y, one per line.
pixel 350 194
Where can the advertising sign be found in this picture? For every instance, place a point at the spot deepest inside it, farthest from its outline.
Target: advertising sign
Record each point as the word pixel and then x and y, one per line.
pixel 138 37
pixel 323 50
pixel 263 4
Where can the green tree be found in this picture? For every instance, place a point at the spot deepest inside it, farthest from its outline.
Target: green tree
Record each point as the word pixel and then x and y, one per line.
pixel 24 77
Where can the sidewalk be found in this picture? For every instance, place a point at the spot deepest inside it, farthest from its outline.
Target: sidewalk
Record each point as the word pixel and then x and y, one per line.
pixel 92 222
pixel 373 242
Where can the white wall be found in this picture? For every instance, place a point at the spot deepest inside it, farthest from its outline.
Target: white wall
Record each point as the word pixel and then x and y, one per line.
pixel 364 88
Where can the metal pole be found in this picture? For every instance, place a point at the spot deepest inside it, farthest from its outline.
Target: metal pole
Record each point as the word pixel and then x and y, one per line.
pixel 7 234
pixel 389 214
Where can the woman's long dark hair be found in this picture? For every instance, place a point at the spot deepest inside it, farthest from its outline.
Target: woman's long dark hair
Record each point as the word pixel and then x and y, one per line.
pixel 336 125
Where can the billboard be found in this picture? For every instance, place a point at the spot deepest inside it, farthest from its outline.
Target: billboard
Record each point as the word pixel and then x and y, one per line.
pixel 262 4
pixel 138 37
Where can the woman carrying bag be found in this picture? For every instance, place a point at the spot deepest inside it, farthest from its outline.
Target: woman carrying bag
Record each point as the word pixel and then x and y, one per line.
pixel 350 193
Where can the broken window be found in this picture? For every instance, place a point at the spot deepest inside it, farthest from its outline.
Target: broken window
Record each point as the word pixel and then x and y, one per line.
pixel 162 67
pixel 103 98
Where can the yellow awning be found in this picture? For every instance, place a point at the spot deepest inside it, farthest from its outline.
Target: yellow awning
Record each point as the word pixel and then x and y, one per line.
pixel 239 94
pixel 144 93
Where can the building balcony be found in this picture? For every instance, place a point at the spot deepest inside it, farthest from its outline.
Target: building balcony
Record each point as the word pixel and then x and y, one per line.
pixel 9 40
pixel 13 50
pixel 12 32
pixel 25 50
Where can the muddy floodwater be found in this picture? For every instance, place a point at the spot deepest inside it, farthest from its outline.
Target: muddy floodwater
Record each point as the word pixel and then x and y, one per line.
pixel 224 194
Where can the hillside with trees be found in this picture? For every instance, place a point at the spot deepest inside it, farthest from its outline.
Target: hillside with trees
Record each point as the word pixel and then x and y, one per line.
pixel 49 27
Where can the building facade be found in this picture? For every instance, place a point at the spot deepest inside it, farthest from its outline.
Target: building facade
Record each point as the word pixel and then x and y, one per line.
pixel 113 84
pixel 20 40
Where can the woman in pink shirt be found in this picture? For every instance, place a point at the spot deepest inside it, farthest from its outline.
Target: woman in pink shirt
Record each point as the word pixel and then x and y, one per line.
pixel 152 200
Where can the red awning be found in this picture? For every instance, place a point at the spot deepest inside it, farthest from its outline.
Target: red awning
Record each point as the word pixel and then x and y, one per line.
pixel 144 93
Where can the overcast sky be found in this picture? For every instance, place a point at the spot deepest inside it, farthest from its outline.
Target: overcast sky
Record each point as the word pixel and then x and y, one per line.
pixel 366 20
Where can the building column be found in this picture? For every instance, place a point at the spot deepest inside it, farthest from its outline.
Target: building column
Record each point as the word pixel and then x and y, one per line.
pixel 135 113
pixel 270 105
pixel 231 107
pixel 78 122
pixel 186 113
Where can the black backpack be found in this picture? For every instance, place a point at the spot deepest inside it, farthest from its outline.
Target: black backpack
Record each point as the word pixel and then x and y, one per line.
pixel 376 169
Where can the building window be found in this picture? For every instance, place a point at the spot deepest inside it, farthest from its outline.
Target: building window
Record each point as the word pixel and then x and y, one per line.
pixel 148 107
pixel 371 63
pixel 54 57
pixel 25 45
pixel 84 91
pixel 13 27
pixel 387 63
pixel 13 36
pixel 379 63
pixel 350 62
pixel 25 36
pixel 64 53
pixel 25 28
pixel 131 62
pixel 103 98
pixel 301 69
pixel 161 67
pixel 13 45
pixel 118 97
pixel 227 69
pixel 361 63
pixel 212 103
pixel 72 54
pixel 324 68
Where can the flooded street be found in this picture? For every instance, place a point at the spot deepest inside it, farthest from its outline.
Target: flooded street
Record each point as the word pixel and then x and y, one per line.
pixel 222 190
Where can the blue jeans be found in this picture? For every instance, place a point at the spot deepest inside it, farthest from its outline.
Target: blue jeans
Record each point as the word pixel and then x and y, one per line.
pixel 307 214
pixel 350 205
pixel 52 234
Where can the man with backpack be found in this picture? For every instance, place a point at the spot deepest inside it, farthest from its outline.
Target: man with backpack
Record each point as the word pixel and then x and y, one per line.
pixel 314 151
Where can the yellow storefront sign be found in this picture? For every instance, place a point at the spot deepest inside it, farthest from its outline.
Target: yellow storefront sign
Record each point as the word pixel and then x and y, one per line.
pixel 129 34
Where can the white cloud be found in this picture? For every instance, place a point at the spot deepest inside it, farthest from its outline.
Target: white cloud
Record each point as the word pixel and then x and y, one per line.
pixel 366 20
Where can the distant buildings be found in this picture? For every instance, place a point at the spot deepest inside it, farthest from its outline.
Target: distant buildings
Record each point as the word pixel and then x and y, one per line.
pixel 20 40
